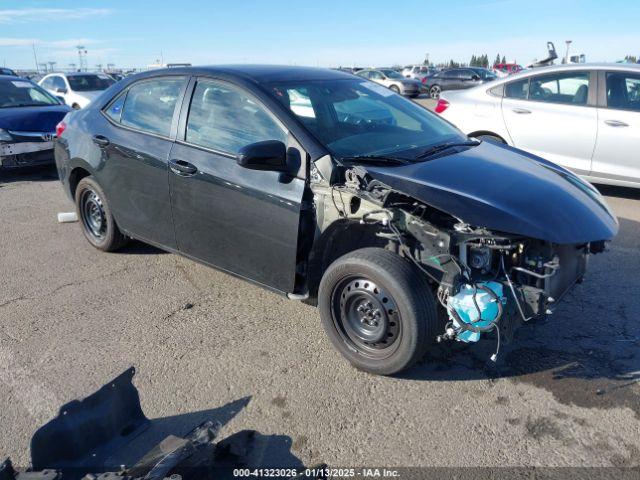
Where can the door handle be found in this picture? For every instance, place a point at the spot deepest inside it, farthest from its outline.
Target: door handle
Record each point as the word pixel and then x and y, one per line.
pixel 100 140
pixel 180 167
pixel 616 123
pixel 521 110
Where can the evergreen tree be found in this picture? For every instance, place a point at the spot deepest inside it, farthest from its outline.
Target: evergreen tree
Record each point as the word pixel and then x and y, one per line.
pixel 497 59
pixel 504 59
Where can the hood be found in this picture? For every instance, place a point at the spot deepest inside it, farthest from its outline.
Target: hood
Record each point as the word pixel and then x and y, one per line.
pixel 32 119
pixel 506 190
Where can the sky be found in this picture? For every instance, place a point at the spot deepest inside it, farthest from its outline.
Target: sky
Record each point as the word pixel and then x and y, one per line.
pixel 137 33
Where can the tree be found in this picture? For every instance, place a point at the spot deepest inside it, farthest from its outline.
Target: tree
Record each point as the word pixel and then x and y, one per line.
pixel 497 59
pixel 504 59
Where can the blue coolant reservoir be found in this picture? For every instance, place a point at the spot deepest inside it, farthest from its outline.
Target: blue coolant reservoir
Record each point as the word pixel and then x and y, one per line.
pixel 464 305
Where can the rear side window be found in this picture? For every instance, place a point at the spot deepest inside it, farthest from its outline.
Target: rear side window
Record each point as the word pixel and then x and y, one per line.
pixel 623 91
pixel 519 89
pixel 224 117
pixel 114 110
pixel 150 104
pixel 571 88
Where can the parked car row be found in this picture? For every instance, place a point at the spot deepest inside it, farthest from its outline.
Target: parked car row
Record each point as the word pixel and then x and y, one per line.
pixel 583 117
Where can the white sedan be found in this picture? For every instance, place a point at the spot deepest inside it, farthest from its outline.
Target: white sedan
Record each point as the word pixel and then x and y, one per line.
pixel 76 89
pixel 583 117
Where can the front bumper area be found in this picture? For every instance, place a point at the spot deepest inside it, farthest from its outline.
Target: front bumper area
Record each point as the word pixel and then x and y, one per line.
pixel 22 154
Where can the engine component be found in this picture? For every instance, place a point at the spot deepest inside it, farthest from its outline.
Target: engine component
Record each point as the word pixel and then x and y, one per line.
pixel 475 309
pixel 480 258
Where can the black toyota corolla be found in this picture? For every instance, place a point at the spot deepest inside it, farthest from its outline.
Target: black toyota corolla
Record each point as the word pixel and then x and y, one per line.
pixel 331 189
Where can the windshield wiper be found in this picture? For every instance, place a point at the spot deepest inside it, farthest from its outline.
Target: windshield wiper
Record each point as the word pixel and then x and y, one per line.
pixel 375 159
pixel 445 146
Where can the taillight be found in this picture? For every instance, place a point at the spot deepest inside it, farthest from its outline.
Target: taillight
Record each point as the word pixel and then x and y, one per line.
pixel 424 80
pixel 60 128
pixel 442 106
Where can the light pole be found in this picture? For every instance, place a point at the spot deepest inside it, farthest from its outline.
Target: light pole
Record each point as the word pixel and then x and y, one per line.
pixel 566 55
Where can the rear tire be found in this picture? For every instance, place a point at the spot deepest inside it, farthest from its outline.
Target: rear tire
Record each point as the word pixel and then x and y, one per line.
pixel 94 213
pixel 434 92
pixel 378 310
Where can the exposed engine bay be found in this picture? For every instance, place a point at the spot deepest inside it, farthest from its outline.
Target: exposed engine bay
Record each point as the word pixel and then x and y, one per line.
pixel 485 281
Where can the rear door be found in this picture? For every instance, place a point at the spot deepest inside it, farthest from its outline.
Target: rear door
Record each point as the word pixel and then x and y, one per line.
pixel 553 115
pixel 240 220
pixel 618 143
pixel 136 141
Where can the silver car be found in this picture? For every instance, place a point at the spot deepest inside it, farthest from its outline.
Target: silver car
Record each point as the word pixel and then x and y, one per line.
pixel 585 117
pixel 393 81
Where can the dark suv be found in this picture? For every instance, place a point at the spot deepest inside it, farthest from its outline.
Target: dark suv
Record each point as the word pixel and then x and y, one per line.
pixel 329 188
pixel 456 79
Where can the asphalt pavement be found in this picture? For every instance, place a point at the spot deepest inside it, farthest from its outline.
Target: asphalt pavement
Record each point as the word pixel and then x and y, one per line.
pixel 207 345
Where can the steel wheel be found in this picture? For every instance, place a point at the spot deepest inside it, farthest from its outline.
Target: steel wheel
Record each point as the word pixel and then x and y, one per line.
pixel 367 317
pixel 93 215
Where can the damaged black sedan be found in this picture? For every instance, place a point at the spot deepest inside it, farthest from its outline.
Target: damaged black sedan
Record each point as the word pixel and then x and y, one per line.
pixel 331 189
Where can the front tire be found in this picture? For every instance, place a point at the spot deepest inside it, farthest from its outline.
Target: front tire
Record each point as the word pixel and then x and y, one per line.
pixel 394 88
pixel 94 213
pixel 378 310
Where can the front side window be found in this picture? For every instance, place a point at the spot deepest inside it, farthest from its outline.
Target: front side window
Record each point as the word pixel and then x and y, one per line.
pixel 519 89
pixel 570 88
pixel 150 104
pixel 623 91
pixel 223 117
pixel 352 117
pixel 24 93
pixel 89 83
pixel 375 75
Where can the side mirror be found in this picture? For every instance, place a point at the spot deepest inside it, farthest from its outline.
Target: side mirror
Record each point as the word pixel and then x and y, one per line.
pixel 475 78
pixel 268 155
pixel 61 90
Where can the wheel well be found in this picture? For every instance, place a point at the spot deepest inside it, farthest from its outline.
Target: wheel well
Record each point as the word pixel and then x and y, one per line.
pixel 340 238
pixel 75 176
pixel 486 132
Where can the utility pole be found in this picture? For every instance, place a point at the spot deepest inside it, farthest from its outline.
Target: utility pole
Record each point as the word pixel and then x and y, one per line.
pixel 82 57
pixel 35 58
pixel 566 55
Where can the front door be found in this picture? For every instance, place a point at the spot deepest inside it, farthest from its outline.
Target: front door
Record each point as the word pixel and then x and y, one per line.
pixel 549 115
pixel 240 220
pixel 616 153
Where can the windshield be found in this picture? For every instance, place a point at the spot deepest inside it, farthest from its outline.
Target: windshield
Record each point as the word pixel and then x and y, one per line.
pixel 391 73
pixel 87 83
pixel 354 117
pixel 23 93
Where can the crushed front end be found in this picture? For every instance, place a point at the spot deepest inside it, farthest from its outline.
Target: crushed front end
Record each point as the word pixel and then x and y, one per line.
pixel 486 281
pixel 21 149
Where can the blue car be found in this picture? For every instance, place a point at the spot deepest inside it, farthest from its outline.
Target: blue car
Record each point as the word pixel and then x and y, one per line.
pixel 28 119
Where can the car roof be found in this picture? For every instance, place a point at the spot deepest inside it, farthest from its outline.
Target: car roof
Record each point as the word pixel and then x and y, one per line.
pixel 633 67
pixel 14 77
pixel 257 73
